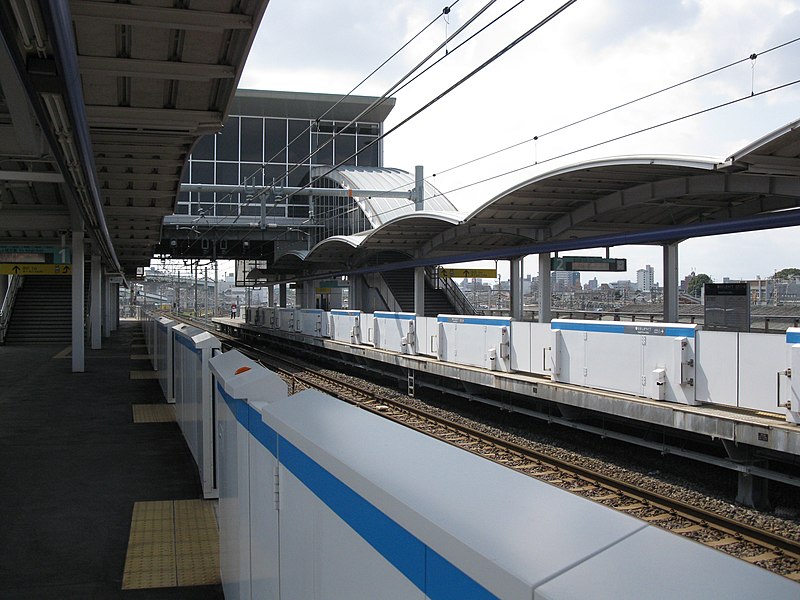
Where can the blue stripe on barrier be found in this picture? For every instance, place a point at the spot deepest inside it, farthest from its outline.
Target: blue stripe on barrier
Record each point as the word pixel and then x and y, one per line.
pixel 599 327
pixel 630 328
pixel 680 332
pixel 395 544
pixel 430 572
pixel 476 321
pixel 394 316
pixel 346 313
pixel 793 337
pixel 447 582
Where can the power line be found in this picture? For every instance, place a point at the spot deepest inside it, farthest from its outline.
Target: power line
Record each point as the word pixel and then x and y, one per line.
pixel 618 106
pixel 626 135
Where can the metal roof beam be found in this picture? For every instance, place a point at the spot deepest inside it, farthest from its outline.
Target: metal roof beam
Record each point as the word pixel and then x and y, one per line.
pixel 155 69
pixel 165 119
pixel 32 176
pixel 162 18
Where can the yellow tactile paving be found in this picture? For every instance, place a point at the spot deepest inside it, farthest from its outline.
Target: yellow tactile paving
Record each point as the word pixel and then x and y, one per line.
pixel 172 543
pixel 144 374
pixel 153 413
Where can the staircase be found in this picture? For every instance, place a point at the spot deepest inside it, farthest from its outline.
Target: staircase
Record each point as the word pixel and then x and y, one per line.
pixel 42 312
pixel 401 283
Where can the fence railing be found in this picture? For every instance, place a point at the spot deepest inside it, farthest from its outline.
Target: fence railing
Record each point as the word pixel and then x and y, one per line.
pixel 14 283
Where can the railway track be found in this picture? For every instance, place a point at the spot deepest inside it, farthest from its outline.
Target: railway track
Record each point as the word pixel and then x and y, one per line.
pixel 766 549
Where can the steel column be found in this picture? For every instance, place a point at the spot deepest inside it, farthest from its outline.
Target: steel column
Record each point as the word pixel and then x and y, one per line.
pixel 271 295
pixel 516 288
pixel 282 295
pixel 419 291
pixel 670 282
pixel 95 307
pixel 545 288
pixel 77 303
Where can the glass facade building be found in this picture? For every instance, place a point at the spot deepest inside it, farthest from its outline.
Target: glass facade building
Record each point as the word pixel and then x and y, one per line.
pixel 279 137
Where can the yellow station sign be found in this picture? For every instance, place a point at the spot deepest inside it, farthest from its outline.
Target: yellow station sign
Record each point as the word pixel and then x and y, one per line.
pixel 34 269
pixel 469 273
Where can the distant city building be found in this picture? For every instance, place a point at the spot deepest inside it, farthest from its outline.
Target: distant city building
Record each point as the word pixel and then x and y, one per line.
pixel 592 284
pixel 645 279
pixel 564 281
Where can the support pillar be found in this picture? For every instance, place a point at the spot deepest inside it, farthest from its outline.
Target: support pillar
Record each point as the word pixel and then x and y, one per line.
pixel 751 490
pixel 271 295
pixel 3 288
pixel 108 306
pixel 282 295
pixel 96 305
pixel 419 291
pixel 545 288
pixel 77 303
pixel 114 306
pixel 670 282
pixel 516 288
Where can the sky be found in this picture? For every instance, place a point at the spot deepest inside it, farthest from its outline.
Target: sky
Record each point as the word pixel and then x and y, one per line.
pixel 593 56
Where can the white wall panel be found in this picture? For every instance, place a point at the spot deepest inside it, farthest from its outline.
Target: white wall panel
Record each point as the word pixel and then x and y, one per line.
pixel 717 360
pixel 761 357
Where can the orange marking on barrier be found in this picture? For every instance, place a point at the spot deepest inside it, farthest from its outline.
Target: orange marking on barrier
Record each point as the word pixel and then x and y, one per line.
pixel 241 370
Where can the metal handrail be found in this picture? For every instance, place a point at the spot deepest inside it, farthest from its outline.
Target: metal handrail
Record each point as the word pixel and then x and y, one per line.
pixel 457 298
pixel 14 283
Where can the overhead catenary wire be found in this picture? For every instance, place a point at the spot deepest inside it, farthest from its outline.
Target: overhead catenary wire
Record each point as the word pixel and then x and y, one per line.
pixel 618 107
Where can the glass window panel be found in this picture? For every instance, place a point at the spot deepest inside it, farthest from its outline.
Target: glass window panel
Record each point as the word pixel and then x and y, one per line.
pixel 345 146
pixel 252 139
pixel 275 173
pixel 202 172
pixel 252 210
pixel 204 150
pixel 228 173
pixel 226 208
pixel 253 172
pixel 298 177
pixel 325 155
pixel 298 148
pixel 228 141
pixel 367 156
pixel 275 144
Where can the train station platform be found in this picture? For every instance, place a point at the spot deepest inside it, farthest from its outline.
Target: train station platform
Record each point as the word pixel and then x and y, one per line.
pixel 75 469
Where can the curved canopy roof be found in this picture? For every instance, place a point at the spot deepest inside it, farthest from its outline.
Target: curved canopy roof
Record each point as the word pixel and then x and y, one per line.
pixel 382 209
pixel 607 199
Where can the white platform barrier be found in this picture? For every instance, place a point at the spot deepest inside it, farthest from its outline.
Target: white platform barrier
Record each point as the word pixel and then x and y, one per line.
pixel 346 326
pixel 652 360
pixel 242 387
pixel 163 356
pixel 371 509
pixel 265 317
pixel 285 320
pixel 427 330
pixel 791 399
pixel 195 413
pixel 530 347
pixel 395 331
pixel 313 322
pixel 476 341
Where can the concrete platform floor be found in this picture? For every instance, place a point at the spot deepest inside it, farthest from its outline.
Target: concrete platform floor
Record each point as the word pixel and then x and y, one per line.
pixel 72 464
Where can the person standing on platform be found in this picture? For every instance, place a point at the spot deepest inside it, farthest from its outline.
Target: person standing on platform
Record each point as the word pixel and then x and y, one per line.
pixel 233 311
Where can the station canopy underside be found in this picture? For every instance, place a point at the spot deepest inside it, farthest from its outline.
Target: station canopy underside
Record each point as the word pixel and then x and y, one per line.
pixel 100 106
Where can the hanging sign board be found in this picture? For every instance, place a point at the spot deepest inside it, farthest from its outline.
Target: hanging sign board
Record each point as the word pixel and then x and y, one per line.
pixel 34 269
pixel 34 254
pixel 727 306
pixel 469 273
pixel 588 263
